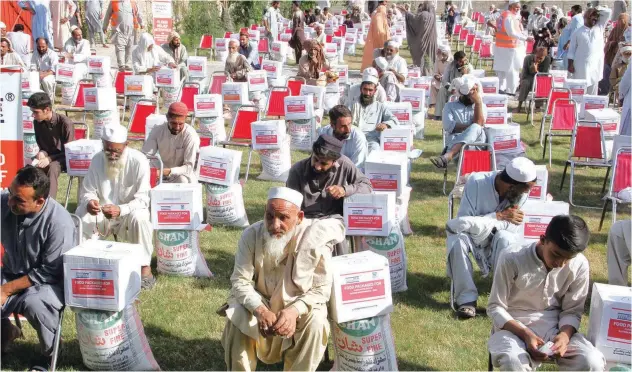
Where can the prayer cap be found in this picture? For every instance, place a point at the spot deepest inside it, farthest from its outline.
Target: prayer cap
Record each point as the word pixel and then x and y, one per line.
pixel 72 28
pixel 2 25
pixel 625 48
pixel 521 170
pixel 514 2
pixel 393 43
pixel 330 143
pixel 114 133
pixel 178 109
pixel 381 62
pixel 466 84
pixel 445 48
pixel 286 194
pixel 370 75
pixel 172 36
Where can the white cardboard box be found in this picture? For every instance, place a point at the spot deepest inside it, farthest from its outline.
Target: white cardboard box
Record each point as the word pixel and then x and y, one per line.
pixel 279 49
pixel 369 214
pixel 416 98
pixel 221 44
pixel 490 84
pixel 283 37
pixel 505 138
pixel 177 206
pixel 197 66
pixel 318 94
pixel 611 321
pixel 79 154
pixel 207 105
pixel 102 275
pixel 537 215
pixel 273 68
pixel 30 81
pixel 387 171
pixel 559 77
pixel 608 118
pixel 396 139
pixel 152 121
pixel 331 50
pixel 496 116
pixel 540 189
pixel 67 73
pixel 99 98
pixel 343 73
pixel 168 77
pixel 218 165
pixel 403 111
pixel 495 100
pixel 254 35
pixel 361 286
pixel 268 135
pixel 298 107
pixel 591 102
pixel 99 65
pixel 577 87
pixel 235 93
pixel 139 85
pixel 257 81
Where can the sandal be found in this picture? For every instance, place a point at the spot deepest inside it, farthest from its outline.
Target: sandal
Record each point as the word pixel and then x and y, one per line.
pixel 148 282
pixel 439 161
pixel 466 311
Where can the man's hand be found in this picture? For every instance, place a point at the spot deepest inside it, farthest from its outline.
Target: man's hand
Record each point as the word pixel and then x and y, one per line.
pixel 265 319
pixel 286 322
pixel 571 66
pixel 172 65
pixel 336 192
pixel 380 127
pixel 43 162
pixel 166 172
pixel 513 215
pixel 41 155
pixel 94 207
pixel 111 211
pixel 438 77
pixel 476 96
pixel 63 20
pixel 560 344
pixel 533 343
pixel 566 45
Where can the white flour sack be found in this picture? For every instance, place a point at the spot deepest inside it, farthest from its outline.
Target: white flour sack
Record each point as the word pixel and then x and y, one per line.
pixel 302 134
pixel 178 253
pixel 365 345
pixel 169 95
pixel 113 341
pixel 276 164
pixel 214 126
pixel 392 247
pixel 68 93
pixel 225 205
pixel 102 119
pixel 30 146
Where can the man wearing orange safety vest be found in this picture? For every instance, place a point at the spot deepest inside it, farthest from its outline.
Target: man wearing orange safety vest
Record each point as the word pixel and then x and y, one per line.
pixel 510 48
pixel 120 16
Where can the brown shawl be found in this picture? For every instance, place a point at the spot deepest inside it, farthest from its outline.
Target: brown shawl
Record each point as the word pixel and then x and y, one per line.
pixel 616 36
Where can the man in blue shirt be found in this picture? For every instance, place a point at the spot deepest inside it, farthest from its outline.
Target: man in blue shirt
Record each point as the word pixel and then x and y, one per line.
pixel 249 50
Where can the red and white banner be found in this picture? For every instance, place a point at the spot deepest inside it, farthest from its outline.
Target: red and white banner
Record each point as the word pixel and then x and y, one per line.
pixel 11 139
pixel 163 20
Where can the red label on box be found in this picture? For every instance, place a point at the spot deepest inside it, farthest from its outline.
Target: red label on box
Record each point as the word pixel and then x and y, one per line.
pixel 413 101
pixel 495 104
pixel 489 89
pixel 295 108
pixel 363 291
pixel 424 86
pixel 77 164
pixel 94 63
pixel 257 80
pixel 534 229
pixel 63 72
pixel 27 124
pixel 395 146
pixel 592 106
pixel 93 287
pixel 206 105
pixel 402 116
pixel 505 145
pixel 609 127
pixel 495 120
pixel 266 139
pixel 177 217
pixel 342 73
pixel 25 84
pixel 388 185
pixel 536 192
pixel 358 221
pixel 212 172
pixel 578 91
pixel 620 330
pixel 91 98
pixel 195 67
pixel 231 97
pixel 164 79
pixel 269 68
pixel 558 79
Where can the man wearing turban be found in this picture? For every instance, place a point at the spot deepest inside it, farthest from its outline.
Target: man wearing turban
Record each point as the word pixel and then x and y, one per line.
pixel 311 64
pixel 177 51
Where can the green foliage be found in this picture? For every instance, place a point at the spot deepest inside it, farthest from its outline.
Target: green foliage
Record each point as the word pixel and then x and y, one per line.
pixel 200 18
pixel 245 13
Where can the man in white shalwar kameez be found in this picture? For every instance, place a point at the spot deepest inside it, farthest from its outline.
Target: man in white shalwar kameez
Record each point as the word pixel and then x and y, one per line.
pixel 61 11
pixel 281 282
pixel 510 48
pixel 114 197
pixel 585 53
pixel 149 57
pixel 45 60
pixel 486 225
pixel 271 21
pixel 41 24
pixel 77 51
pixel 538 295
pixel 21 43
pixel 619 247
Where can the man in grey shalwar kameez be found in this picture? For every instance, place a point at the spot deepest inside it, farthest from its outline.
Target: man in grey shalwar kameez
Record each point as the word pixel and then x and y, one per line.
pixel 421 33
pixel 36 231
pixel 94 18
pixel 120 11
pixel 177 51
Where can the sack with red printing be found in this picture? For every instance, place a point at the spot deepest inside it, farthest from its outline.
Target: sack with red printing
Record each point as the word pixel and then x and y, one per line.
pixel 276 164
pixel 225 205
pixel 178 253
pixel 113 341
pixel 215 127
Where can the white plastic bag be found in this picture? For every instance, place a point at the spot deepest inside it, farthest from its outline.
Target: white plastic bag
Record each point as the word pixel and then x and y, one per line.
pixel 169 96
pixel 214 126
pixel 303 133
pixel 392 247
pixel 178 253
pixel 225 205
pixel 276 164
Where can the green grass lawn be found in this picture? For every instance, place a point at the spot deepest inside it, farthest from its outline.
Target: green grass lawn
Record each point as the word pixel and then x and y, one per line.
pixel 179 313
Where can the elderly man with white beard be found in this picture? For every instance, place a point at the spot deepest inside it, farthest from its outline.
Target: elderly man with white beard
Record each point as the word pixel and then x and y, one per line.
pixel 281 282
pixel 237 66
pixel 396 63
pixel 114 197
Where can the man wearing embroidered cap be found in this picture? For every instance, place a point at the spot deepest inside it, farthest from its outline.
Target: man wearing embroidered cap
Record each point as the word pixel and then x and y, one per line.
pixel 463 120
pixel 277 308
pixel 114 197
pixel 488 219
pixel 178 145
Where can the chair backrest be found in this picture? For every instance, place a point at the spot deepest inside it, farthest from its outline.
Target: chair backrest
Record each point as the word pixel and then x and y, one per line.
pixel 588 141
pixel 556 93
pixel 81 131
pixel 254 27
pixel 469 41
pixel 155 170
pixel 79 102
pixel 476 47
pixel 141 111
pixel 486 50
pixel 463 34
pixel 542 85
pixel 276 105
pixel 475 161
pixel 530 44
pixel 226 35
pixel 343 30
pixel 216 83
pixel 294 85
pixel 328 38
pixel 206 42
pixel 188 91
pixel 206 141
pixel 243 29
pixel 241 129
pixel 621 176
pixel 119 81
pixel 457 29
pixel 263 46
pixel 564 115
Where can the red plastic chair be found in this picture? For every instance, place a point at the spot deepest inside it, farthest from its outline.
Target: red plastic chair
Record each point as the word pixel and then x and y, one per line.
pixel 457 29
pixel 530 44
pixel 621 179
pixel 294 84
pixel 138 119
pixel 541 89
pixel 188 91
pixel 554 95
pixel 338 33
pixel 276 99
pixel 206 44
pixel 119 82
pixel 241 132
pixel 243 29
pixel 155 170
pixel 79 101
pixel 227 35
pixel 563 120
pixel 469 40
pixel 217 79
pixel 485 53
pixel 343 30
pixel 254 27
pixel 329 38
pixel 263 46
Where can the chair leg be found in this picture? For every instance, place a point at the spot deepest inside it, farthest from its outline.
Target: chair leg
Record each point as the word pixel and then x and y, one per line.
pixel 603 213
pixel 490 366
pixel 68 192
pixel 445 180
pixel 450 207
pixel 57 342
pixel 546 136
pixel 572 179
pixel 564 175
pixel 248 166
pixel 605 181
pixel 550 151
pixel 614 211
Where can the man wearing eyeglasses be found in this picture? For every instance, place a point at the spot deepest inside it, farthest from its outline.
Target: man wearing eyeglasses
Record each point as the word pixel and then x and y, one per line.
pixel 114 197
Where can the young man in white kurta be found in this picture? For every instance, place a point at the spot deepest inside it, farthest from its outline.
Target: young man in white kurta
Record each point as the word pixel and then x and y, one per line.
pixel 538 295
pixel 585 53
pixel 619 250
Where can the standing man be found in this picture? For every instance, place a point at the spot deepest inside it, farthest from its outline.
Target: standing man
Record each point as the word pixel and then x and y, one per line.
pixel 94 17
pixel 21 43
pixel 178 145
pixel 178 52
pixel 298 31
pixel 52 132
pixel 121 18
pixel 36 232
pixel 41 23
pixel 45 61
pixel 577 21
pixel 271 21
pixel 421 34
pixel 249 50
pixel 114 197
pixel 510 48
pixel 354 144
pixel 585 53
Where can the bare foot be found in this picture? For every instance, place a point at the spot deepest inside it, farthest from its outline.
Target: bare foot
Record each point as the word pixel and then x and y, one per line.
pixel 9 333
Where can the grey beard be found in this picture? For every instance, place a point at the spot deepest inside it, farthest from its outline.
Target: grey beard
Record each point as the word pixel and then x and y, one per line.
pixel 366 101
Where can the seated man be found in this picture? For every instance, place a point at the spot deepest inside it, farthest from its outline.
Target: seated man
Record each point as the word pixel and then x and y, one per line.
pixel 36 231
pixel 286 251
pixel 396 64
pixel 148 57
pixel 369 75
pixel 320 38
pixel 488 217
pixel 52 132
pixel 463 120
pixel 311 64
pixel 538 295
pixel 369 115
pixel 388 81
pixel 250 50
pixel 174 48
pixel 457 68
pixel 325 178
pixel 45 61
pixel 8 56
pixel 114 197
pixel 237 66
pixel 533 64
pixel 178 145
pixel 354 145
pixel 77 49
pixel 619 250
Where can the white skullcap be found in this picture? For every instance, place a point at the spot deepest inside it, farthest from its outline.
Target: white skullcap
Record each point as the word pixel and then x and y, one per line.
pixel 627 48
pixel 286 194
pixel 72 28
pixel 393 43
pixel 445 48
pixel 511 2
pixel 370 75
pixel 554 7
pixel 114 133
pixel 521 169
pixel 2 25
pixel 466 84
pixel 381 62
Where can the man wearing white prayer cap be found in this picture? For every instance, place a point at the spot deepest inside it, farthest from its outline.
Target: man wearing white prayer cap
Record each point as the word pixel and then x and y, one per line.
pixel 463 119
pixel 281 282
pixel 396 64
pixel 387 79
pixel 370 76
pixel 114 197
pixel 487 222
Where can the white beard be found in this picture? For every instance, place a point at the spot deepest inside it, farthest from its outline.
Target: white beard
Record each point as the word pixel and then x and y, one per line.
pixel 274 248
pixel 113 169
pixel 390 58
pixel 232 57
